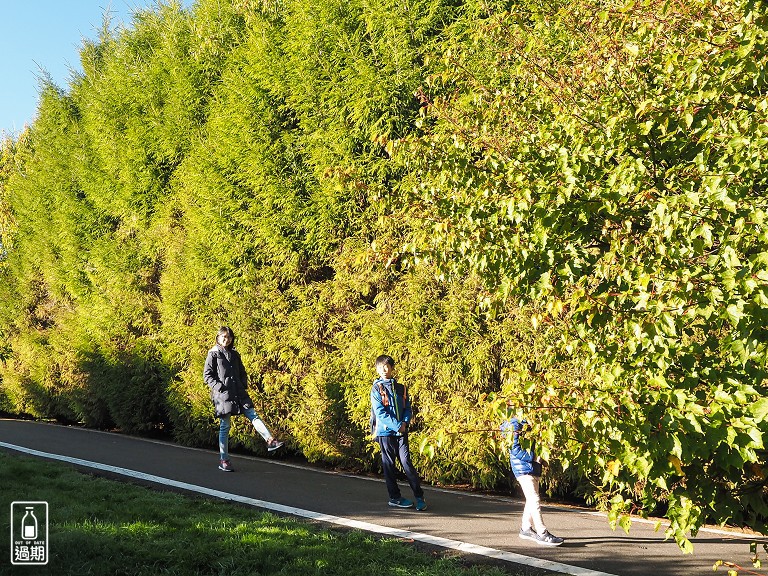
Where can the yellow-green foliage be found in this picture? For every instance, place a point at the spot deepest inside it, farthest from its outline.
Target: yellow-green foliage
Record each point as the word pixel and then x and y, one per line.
pixel 469 187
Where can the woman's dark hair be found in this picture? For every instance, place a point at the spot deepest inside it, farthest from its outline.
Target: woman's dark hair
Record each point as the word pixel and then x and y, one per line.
pixel 228 331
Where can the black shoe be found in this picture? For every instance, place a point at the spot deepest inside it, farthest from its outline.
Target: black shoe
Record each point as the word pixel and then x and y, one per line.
pixel 548 539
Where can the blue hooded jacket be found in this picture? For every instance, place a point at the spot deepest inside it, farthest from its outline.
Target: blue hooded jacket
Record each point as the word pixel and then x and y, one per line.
pixel 390 410
pixel 523 462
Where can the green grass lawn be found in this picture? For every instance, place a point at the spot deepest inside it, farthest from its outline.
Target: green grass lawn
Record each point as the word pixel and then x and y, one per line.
pixel 104 527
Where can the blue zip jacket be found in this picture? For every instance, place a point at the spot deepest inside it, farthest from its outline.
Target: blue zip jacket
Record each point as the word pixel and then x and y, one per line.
pixel 523 462
pixel 387 415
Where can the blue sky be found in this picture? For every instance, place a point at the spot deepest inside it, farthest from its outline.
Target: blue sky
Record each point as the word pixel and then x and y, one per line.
pixel 37 35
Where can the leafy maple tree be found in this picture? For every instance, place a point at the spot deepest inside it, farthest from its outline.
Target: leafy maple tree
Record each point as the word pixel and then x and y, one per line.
pixel 608 161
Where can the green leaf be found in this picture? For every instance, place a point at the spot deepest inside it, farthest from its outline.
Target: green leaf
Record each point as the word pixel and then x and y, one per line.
pixel 760 410
pixel 625 521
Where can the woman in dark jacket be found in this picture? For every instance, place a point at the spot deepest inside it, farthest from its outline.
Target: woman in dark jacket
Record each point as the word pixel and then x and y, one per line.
pixel 226 378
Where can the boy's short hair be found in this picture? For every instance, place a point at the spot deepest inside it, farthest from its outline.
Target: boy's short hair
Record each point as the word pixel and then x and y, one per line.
pixel 384 359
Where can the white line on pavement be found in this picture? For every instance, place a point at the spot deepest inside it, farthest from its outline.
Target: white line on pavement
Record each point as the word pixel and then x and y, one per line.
pixel 338 520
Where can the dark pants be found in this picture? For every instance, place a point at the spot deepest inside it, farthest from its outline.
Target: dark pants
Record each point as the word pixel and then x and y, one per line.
pixel 392 449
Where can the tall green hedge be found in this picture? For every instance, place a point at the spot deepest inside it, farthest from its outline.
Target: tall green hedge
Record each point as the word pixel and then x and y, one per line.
pixel 558 207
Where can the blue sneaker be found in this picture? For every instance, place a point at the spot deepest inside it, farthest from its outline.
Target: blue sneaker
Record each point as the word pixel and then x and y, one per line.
pixel 400 502
pixel 420 504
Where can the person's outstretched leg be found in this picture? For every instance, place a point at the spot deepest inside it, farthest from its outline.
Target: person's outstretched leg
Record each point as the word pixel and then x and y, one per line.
pixel 261 428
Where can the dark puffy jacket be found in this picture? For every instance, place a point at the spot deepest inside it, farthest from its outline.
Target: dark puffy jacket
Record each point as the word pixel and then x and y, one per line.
pixel 226 380
pixel 523 462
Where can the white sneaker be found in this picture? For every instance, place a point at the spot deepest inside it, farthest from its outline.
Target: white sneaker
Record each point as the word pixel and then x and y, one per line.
pixel 528 534
pixel 274 445
pixel 548 539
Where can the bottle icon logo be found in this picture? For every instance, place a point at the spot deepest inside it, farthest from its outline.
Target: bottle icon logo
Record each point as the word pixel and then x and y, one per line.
pixel 29 533
pixel 29 524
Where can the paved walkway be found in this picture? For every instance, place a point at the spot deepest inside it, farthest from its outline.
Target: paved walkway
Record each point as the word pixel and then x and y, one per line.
pixel 474 524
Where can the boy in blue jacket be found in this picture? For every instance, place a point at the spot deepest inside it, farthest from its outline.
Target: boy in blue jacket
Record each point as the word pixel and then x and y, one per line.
pixel 390 414
pixel 526 467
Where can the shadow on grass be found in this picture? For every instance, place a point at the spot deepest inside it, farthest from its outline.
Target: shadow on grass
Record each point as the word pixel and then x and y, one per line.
pixel 98 526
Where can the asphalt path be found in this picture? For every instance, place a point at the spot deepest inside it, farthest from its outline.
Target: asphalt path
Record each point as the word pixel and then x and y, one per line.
pixel 485 526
